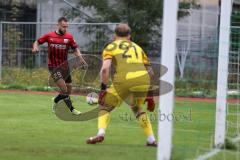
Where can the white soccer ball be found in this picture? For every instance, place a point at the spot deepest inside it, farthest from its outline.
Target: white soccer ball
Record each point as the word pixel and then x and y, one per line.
pixel 92 98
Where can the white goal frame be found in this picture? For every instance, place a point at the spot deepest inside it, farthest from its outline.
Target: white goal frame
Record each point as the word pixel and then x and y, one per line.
pixel 166 102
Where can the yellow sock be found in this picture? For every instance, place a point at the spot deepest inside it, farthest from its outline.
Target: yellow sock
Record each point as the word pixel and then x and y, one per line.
pixel 145 124
pixel 103 119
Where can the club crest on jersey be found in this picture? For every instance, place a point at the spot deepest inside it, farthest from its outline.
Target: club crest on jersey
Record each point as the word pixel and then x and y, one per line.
pixel 65 40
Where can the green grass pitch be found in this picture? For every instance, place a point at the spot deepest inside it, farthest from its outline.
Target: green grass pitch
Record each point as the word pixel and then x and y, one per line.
pixel 29 130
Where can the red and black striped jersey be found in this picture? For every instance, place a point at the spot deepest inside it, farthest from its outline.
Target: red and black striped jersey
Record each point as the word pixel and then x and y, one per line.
pixel 58 46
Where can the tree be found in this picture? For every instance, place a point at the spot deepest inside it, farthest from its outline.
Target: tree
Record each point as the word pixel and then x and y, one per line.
pixel 183 51
pixel 144 17
pixel 12 34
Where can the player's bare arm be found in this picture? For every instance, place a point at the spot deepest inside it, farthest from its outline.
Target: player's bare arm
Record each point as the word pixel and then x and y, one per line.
pixel 104 74
pixel 105 70
pixel 78 54
pixel 35 47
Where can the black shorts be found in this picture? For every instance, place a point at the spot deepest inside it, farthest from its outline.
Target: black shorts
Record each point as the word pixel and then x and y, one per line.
pixel 60 73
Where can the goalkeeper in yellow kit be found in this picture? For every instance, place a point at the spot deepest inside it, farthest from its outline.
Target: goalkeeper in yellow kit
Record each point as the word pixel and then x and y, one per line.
pixel 130 83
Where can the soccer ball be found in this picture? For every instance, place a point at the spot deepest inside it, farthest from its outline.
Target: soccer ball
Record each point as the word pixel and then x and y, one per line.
pixel 92 98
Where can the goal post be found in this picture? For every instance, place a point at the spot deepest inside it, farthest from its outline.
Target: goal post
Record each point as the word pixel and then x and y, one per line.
pixel 166 102
pixel 222 79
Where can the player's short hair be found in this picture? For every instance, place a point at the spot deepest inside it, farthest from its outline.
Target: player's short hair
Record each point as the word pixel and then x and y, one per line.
pixel 62 19
pixel 122 30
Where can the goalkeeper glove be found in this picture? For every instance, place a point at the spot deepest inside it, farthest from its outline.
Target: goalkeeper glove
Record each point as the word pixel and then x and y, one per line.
pixel 150 104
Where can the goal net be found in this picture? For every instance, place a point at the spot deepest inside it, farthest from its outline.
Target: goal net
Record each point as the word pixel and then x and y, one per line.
pixel 199 119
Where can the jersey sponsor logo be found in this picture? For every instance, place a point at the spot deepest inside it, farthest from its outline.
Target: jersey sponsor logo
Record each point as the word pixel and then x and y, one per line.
pixel 65 40
pixel 59 46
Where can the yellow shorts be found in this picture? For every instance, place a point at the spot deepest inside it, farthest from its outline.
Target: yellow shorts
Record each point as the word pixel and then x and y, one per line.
pixel 132 91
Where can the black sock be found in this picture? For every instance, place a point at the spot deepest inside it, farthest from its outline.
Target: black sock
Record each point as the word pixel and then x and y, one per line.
pixel 69 103
pixel 60 97
pixel 66 99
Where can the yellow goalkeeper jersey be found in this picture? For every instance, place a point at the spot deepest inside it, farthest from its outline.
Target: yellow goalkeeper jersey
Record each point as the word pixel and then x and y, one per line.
pixel 128 59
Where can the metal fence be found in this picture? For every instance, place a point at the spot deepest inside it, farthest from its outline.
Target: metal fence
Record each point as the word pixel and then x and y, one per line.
pixel 17 38
pixel 193 47
pixel 19 67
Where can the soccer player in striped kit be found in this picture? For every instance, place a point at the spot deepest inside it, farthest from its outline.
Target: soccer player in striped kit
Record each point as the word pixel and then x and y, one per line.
pixel 59 43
